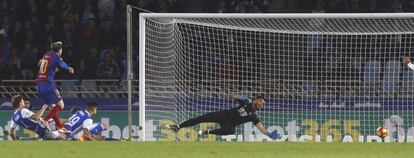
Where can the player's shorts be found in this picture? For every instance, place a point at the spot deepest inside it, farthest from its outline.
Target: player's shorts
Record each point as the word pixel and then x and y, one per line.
pixel 48 93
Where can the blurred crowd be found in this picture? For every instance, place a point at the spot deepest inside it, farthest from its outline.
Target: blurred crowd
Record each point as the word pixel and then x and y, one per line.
pixel 94 31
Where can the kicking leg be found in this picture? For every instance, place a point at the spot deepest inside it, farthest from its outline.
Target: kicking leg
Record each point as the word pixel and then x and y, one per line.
pixel 54 113
pixel 54 97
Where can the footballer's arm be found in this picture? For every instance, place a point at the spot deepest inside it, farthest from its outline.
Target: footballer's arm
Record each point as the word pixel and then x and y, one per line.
pixel 261 128
pixel 65 66
pixel 235 97
pixel 36 116
pixel 85 135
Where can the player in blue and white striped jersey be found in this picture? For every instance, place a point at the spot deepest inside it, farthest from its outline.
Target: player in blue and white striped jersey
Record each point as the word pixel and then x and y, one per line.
pixel 25 118
pixel 81 125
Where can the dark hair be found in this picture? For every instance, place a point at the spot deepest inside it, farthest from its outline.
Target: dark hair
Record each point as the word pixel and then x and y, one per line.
pixel 91 104
pixel 56 46
pixel 16 100
pixel 75 109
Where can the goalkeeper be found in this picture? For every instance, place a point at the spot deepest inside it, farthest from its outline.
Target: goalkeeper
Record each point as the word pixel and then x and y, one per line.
pixel 407 61
pixel 228 119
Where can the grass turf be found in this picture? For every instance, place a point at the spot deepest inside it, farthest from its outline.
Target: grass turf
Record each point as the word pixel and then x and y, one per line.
pixel 61 149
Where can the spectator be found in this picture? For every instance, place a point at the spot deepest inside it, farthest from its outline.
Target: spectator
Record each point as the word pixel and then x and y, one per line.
pixel 4 8
pixel 108 68
pixel 106 9
pixel 12 72
pixel 100 25
pixel 239 7
pixel 87 15
pixel 88 66
pixel 3 68
pixel 4 49
pixel 90 35
pixel 108 36
pixel 28 61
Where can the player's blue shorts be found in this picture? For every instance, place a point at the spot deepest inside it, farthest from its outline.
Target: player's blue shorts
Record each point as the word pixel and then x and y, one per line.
pixel 48 92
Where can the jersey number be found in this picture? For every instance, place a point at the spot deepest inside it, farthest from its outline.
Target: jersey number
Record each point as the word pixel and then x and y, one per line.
pixel 74 120
pixel 43 66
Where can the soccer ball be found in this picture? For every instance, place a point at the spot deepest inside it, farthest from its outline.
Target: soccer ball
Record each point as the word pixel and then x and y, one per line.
pixel 382 132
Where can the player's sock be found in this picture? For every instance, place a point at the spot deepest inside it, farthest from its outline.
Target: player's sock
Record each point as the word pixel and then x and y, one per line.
pixel 96 130
pixel 58 121
pixel 54 114
pixel 175 128
pixel 112 139
pixel 67 127
pixel 203 132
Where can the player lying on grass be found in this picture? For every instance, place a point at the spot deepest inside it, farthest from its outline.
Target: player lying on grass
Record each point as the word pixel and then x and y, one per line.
pixel 25 118
pixel 228 119
pixel 81 125
pixel 52 123
pixel 46 86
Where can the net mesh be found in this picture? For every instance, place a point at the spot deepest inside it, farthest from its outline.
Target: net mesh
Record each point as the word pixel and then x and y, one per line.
pixel 325 79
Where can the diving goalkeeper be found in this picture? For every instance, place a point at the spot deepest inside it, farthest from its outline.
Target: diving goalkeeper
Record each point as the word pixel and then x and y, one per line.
pixel 407 61
pixel 228 119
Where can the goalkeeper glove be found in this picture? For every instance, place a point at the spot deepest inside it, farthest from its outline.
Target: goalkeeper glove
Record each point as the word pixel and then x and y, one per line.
pixel 274 135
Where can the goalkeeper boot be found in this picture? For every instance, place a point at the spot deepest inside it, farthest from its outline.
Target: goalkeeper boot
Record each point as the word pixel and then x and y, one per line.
pixel 203 133
pixel 174 128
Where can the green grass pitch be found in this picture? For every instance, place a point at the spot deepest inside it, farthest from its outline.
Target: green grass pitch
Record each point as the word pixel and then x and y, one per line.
pixel 61 149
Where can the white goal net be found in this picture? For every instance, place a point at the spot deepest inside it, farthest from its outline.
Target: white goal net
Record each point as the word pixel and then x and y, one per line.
pixel 326 77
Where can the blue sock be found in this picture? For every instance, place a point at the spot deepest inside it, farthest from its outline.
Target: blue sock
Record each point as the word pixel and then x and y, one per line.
pixel 97 130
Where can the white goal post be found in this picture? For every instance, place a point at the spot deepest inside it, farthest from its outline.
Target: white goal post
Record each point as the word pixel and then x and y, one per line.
pixel 327 77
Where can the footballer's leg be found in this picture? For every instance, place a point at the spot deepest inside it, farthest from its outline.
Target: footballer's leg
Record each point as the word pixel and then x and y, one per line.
pixel 94 132
pixel 209 117
pixel 54 97
pixel 97 129
pixel 225 129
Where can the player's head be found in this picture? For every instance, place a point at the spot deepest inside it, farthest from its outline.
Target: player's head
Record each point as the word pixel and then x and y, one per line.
pixel 57 47
pixel 91 107
pixel 27 104
pixel 258 102
pixel 75 109
pixel 17 102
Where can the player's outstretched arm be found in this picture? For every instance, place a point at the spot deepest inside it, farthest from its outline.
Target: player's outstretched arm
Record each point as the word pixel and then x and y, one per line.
pixel 261 128
pixel 407 61
pixel 240 98
pixel 86 136
pixel 273 135
pixel 37 115
pixel 235 97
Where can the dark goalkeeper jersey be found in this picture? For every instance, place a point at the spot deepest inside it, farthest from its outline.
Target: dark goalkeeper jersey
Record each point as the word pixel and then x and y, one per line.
pixel 243 113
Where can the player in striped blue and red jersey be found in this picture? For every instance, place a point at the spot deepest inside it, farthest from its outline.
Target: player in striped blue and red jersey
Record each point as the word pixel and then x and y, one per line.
pixel 46 86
